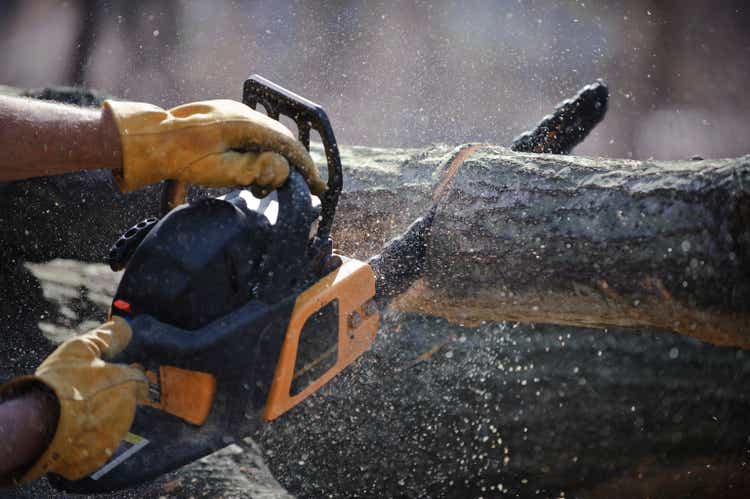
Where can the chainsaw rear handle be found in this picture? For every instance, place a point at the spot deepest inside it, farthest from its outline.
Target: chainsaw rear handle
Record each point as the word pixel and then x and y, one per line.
pixel 308 116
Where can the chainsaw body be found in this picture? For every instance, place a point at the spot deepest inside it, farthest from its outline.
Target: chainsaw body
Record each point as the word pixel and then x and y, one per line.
pixel 239 309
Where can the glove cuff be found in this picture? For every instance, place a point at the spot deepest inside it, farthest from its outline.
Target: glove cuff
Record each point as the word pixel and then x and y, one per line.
pixel 138 124
pixel 17 386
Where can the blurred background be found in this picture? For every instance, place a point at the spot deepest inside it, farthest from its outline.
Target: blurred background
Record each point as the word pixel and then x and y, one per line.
pixel 413 73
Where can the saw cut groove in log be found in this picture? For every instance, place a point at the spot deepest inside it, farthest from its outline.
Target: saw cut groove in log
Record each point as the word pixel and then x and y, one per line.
pixel 451 169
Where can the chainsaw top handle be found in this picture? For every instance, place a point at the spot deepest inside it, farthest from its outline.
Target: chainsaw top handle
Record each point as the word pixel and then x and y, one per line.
pixel 307 115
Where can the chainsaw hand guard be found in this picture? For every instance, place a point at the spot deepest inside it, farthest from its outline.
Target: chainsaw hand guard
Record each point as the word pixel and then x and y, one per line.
pixel 307 115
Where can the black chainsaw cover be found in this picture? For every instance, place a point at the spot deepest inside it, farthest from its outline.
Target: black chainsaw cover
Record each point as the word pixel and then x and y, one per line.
pixel 207 258
pixel 197 264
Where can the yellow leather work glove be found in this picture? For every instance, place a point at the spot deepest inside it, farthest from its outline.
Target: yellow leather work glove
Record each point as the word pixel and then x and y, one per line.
pixel 217 143
pixel 97 401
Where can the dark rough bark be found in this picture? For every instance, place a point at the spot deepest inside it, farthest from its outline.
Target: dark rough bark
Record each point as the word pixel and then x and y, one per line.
pixel 411 417
pixel 612 413
pixel 597 242
pixel 526 237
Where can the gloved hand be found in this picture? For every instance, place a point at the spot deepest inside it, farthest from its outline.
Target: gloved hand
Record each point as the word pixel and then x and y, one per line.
pixel 217 143
pixel 97 400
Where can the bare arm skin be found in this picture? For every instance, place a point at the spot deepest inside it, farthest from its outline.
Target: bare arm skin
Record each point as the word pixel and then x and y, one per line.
pixel 26 425
pixel 40 138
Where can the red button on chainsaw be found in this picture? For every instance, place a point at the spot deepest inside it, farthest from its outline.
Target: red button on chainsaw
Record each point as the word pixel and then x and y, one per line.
pixel 122 306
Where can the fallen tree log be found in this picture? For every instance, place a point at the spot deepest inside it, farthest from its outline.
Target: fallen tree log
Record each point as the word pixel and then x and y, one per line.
pixel 589 242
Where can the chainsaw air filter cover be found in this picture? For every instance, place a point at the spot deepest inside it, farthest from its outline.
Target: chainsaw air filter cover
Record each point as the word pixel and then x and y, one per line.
pixel 207 258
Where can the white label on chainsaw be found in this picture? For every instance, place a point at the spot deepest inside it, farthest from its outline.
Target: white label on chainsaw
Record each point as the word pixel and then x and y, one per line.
pixel 131 444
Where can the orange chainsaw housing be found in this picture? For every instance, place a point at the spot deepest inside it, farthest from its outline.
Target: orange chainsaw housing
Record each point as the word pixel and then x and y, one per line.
pixel 353 285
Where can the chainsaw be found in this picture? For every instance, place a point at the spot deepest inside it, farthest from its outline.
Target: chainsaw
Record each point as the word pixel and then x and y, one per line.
pixel 225 294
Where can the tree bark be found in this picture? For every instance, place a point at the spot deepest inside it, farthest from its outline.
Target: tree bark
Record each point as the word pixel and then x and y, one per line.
pixel 589 242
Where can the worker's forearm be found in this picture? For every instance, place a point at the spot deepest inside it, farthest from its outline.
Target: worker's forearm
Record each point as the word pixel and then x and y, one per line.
pixel 26 424
pixel 39 138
